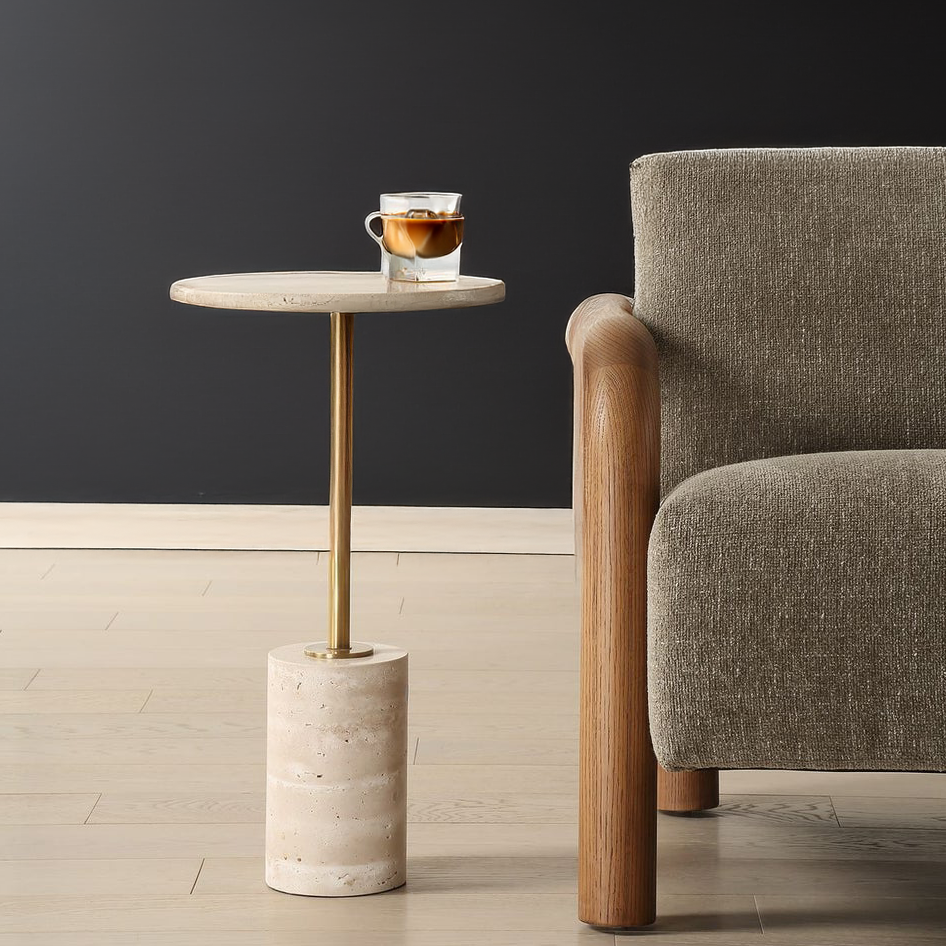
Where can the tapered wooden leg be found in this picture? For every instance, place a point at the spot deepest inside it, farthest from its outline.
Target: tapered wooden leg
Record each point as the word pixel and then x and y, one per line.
pixel 617 487
pixel 687 791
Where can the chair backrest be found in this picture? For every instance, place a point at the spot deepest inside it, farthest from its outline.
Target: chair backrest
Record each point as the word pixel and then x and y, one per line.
pixel 797 298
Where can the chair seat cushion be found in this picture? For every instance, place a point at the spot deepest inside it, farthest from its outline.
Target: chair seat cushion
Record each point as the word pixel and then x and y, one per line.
pixel 797 614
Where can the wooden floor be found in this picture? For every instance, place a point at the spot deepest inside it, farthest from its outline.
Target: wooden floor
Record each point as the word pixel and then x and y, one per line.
pixel 132 747
pixel 275 527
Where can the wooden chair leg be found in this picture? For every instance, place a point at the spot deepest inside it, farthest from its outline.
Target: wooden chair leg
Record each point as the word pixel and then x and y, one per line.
pixel 682 792
pixel 617 488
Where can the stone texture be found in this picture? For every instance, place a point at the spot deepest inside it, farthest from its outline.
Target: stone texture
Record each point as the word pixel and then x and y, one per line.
pixel 334 292
pixel 336 773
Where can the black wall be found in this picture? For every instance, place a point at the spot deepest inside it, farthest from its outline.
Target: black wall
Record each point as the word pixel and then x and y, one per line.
pixel 142 141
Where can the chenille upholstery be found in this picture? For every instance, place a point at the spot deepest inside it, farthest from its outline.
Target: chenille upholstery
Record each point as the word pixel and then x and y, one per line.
pixel 797 298
pixel 798 614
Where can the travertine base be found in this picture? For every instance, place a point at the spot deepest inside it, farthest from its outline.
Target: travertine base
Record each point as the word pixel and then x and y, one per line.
pixel 336 773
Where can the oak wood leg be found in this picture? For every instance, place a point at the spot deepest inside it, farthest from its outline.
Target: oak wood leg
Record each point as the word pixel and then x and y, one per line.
pixel 687 791
pixel 617 431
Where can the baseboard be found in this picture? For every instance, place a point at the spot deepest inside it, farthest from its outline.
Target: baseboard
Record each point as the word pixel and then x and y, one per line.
pixel 374 528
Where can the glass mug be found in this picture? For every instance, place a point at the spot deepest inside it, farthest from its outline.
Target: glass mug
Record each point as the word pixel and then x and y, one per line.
pixel 420 235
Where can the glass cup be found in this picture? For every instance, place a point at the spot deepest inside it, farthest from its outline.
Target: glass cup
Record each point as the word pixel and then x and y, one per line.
pixel 420 235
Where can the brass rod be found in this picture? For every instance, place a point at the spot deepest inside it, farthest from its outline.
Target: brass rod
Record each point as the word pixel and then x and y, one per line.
pixel 339 565
pixel 339 643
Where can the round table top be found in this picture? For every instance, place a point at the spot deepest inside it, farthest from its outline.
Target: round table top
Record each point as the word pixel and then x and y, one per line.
pixel 333 292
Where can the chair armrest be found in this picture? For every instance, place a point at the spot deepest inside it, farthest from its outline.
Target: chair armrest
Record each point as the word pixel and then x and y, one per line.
pixel 616 493
pixel 605 326
pixel 603 335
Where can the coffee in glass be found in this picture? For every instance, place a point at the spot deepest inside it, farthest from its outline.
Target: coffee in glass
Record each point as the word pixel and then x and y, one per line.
pixel 420 234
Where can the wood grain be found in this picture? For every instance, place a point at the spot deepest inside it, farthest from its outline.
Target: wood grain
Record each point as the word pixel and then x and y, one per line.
pixel 832 919
pixel 531 874
pixel 136 777
pixel 79 564
pixel 473 806
pixel 268 913
pixel 491 724
pixel 151 877
pixel 101 587
pixel 26 563
pixel 68 619
pixel 617 473
pixel 928 814
pixel 171 527
pixel 889 785
pixel 298 618
pixel 684 869
pixel 727 837
pixel 71 701
pixel 214 648
pixel 449 839
pixel 127 726
pixel 16 678
pixel 511 704
pixel 46 808
pixel 779 809
pixel 476 570
pixel 448 780
pixel 483 807
pixel 132 678
pixel 483 750
pixel 441 937
pixel 71 842
pixel 526 683
pixel 218 807
pixel 155 750
pixel 174 700
pixel 115 653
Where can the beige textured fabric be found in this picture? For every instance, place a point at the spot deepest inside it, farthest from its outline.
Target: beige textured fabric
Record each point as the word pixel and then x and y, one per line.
pixel 798 302
pixel 797 297
pixel 797 614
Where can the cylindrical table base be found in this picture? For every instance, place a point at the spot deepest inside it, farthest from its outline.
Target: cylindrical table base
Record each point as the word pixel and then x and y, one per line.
pixel 336 773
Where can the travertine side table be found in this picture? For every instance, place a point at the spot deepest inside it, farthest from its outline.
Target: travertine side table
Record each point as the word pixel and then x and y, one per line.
pixel 336 747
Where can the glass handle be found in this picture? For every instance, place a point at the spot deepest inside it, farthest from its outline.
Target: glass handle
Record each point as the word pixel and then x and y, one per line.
pixel 374 236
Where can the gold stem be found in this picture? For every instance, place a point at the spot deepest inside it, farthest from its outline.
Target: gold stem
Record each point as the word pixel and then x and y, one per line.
pixel 339 562
pixel 339 644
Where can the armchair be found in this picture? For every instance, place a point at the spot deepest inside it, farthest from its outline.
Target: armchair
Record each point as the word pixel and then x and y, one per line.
pixel 760 490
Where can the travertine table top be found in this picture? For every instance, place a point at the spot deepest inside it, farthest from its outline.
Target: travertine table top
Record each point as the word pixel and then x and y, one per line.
pixel 333 292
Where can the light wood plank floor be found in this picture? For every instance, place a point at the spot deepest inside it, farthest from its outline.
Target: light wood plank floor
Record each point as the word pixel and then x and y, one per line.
pixel 132 726
pixel 235 526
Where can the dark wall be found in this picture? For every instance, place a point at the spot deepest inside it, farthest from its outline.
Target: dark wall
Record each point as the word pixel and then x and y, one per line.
pixel 150 140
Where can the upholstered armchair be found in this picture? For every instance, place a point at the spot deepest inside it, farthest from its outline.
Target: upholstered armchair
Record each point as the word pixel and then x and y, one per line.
pixel 760 490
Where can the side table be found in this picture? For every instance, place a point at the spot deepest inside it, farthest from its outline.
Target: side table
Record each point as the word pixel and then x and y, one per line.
pixel 336 744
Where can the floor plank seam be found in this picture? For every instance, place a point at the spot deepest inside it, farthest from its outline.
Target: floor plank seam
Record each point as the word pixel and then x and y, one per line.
pixel 89 815
pixel 758 913
pixel 834 811
pixel 203 860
